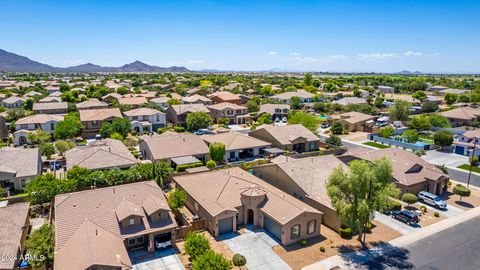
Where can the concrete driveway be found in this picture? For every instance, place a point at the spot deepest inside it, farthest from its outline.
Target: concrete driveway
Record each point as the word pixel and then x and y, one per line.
pixel 397 225
pixel 163 259
pixel 445 158
pixel 257 249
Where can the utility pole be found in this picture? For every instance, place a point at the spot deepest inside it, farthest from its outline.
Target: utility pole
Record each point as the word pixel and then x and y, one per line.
pixel 471 159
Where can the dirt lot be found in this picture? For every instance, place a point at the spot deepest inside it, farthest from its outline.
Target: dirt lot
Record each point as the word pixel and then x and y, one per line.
pixel 466 203
pixel 297 256
pixel 217 246
pixel 356 136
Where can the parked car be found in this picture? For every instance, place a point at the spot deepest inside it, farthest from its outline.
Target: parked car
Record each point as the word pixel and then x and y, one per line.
pixel 431 199
pixel 203 131
pixel 324 125
pixel 405 216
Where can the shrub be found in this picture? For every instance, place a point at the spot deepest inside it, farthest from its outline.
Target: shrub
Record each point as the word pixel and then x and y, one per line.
pixel 395 205
pixel 41 245
pixel 334 140
pixel 217 151
pixel 345 232
pixel 211 164
pixel 368 227
pixel 386 132
pixel 322 249
pixel 336 128
pixel 176 200
pixel 423 208
pixel 211 260
pixel 409 198
pixel 239 260
pixel 196 245
pixel 181 168
pixel 436 214
pixel 303 242
pixel 178 129
pixel 461 191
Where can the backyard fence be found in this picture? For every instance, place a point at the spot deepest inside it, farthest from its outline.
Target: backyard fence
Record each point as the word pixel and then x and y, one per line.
pixel 389 141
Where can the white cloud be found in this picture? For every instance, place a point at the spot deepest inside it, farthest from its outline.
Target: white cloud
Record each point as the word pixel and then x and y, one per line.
pixel 412 53
pixel 294 54
pixel 377 56
pixel 336 57
pixel 272 53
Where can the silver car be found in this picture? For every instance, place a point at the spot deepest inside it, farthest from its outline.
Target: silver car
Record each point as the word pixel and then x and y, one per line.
pixel 431 199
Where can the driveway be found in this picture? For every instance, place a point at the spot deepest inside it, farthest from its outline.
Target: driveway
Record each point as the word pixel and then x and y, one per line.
pixel 397 225
pixel 445 158
pixel 451 211
pixel 165 260
pixel 257 249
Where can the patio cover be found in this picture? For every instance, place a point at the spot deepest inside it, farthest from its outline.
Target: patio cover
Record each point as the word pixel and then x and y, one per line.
pixel 274 151
pixel 185 160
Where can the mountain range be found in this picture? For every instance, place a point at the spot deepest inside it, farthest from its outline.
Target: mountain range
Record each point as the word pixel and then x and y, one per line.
pixel 11 62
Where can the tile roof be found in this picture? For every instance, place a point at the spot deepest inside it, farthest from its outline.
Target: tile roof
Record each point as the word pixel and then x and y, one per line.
pixel 189 108
pixel 170 144
pixel 39 119
pixel 142 111
pixel 24 161
pixel 353 117
pixel 99 114
pixel 350 100
pixel 226 105
pixel 132 100
pixel 196 98
pixel 49 106
pixel 289 95
pixel 285 135
pixel 90 103
pixel 465 113
pixel 270 108
pixel 235 141
pixel 220 190
pixel 12 219
pixel 225 95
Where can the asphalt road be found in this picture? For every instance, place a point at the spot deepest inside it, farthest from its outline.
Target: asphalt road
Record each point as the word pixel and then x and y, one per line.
pixel 454 248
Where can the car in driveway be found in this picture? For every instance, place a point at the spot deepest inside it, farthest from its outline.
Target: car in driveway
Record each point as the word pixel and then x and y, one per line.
pixel 405 216
pixel 431 199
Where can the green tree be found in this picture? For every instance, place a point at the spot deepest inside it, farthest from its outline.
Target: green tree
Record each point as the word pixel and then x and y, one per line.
pixel 116 136
pixel 296 103
pixel 357 193
pixel 334 140
pixel 409 198
pixel 196 245
pixel 379 102
pixel 63 146
pixel 461 191
pixel 41 245
pixel 198 120
pixel 420 95
pixel 429 107
pixel 439 121
pixel 157 171
pixel 39 136
pixel 443 138
pixel 69 128
pixel 47 149
pixel 223 122
pixel 264 118
pixel 421 122
pixel 450 98
pixel 44 187
pixel 307 120
pixel 80 176
pixel 336 128
pixel 173 101
pixel 211 260
pixel 121 126
pixel 176 199
pixel 387 132
pixel 217 151
pixel 308 79
pixel 400 110
pixel 252 106
pixel 410 135
pixel 28 104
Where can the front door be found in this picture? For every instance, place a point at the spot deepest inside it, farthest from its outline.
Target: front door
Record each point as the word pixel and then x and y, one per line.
pixel 250 218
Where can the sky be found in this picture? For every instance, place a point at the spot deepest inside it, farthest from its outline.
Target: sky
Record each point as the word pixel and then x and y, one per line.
pixel 301 35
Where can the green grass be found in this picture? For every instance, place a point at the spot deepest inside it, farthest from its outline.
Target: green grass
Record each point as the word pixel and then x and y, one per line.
pixel 467 168
pixel 16 196
pixel 376 145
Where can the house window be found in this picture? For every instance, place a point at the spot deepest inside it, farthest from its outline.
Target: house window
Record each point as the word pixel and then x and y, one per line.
pixel 295 232
pixel 196 206
pixel 160 215
pixel 131 241
pixel 312 224
pixel 23 126
pixel 52 126
pixel 94 123
pixel 131 222
pixel 158 118
pixel 232 155
pixel 140 239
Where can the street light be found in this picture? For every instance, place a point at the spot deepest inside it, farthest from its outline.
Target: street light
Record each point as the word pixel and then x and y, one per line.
pixel 471 159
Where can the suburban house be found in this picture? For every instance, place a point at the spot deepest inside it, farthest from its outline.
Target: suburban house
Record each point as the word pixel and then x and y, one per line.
pixel 100 155
pixel 50 107
pixel 453 91
pixel 350 100
pixel 45 122
pixel 49 99
pixel 197 99
pixel 410 173
pixel 286 97
pixel 110 98
pixel 306 180
pixel 463 116
pixel 97 228
pixel 12 102
pixel 237 114
pixel 290 138
pixel 437 88
pixel 465 143
pixel 238 146
pixel 161 102
pixel 18 166
pixel 133 101
pixel 94 118
pixel 15 225
pixel 146 119
pixel 225 96
pixel 91 103
pixel 52 89
pixel 177 114
pixel 385 89
pixel 277 111
pixel 355 121
pixel 231 197
pixel 175 148
pixel 31 94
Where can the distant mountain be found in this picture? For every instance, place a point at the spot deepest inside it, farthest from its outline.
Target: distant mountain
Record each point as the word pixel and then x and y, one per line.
pixel 407 72
pixel 11 62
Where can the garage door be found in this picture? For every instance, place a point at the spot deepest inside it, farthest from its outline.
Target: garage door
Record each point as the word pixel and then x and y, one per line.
pixel 225 225
pixel 459 150
pixel 272 227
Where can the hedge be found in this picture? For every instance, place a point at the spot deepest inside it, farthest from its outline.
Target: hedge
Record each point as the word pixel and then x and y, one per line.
pixel 181 168
pixel 345 232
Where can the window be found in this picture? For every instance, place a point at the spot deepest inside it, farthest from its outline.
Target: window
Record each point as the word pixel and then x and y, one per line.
pixel 160 215
pixel 52 126
pixel 23 126
pixel 94 123
pixel 295 231
pixel 131 222
pixel 140 239
pixel 311 227
pixel 196 206
pixel 131 241
pixel 158 118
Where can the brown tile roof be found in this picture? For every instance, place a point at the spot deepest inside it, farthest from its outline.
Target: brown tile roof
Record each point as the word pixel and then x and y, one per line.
pixel 464 113
pixel 235 141
pixel 24 161
pixel 99 114
pixel 189 108
pixel 12 219
pixel 50 106
pixel 220 190
pixel 353 117
pixel 226 105
pixel 270 108
pixel 408 168
pixel 49 99
pixel 196 98
pixel 92 103
pixel 142 111
pixel 170 144
pixel 39 119
pixel 132 100
pixel 285 135
pixel 225 96
pixel 104 154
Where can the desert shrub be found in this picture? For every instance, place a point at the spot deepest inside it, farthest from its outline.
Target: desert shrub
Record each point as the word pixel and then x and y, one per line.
pixel 345 232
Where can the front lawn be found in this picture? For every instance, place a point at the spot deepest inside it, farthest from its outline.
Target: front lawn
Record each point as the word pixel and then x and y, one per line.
pixel 467 168
pixel 376 145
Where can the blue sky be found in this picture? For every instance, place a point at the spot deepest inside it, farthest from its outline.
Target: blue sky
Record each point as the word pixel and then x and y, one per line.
pixel 388 36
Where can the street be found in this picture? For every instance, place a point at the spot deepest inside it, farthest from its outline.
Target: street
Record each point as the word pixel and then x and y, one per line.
pixel 453 248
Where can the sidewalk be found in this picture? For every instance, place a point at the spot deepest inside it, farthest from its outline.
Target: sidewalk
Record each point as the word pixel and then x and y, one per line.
pixel 352 260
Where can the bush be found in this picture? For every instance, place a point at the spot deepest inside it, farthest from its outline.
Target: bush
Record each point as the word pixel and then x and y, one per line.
pixel 303 242
pixel 336 128
pixel 345 232
pixel 217 151
pixel 368 227
pixel 436 214
pixel 334 140
pixel 423 208
pixel 176 199
pixel 395 205
pixel 461 191
pixel 409 198
pixel 386 132
pixel 196 245
pixel 181 168
pixel 239 260
pixel 178 129
pixel 211 260
pixel 322 249
pixel 211 164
